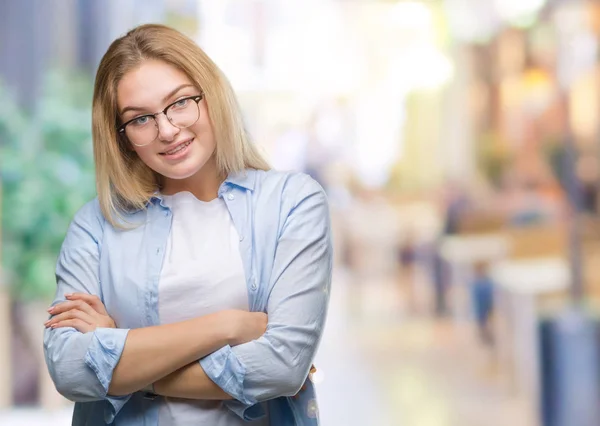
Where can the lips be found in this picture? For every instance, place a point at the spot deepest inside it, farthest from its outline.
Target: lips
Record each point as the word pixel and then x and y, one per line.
pixel 177 148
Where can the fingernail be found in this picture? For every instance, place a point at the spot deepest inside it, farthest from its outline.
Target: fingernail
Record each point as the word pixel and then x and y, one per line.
pixel 50 309
pixel 46 323
pixel 68 295
pixel 53 326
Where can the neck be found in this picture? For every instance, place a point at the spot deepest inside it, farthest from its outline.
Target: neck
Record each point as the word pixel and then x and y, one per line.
pixel 204 184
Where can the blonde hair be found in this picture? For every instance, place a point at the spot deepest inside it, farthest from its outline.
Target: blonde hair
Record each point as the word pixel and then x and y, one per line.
pixel 124 183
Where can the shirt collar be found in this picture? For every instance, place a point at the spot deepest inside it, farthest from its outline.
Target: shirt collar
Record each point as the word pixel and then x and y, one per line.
pixel 245 179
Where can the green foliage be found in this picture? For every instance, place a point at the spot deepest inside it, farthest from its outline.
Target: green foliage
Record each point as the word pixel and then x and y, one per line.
pixel 47 172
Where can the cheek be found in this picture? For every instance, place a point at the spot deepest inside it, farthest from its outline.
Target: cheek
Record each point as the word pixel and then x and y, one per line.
pixel 205 134
pixel 147 156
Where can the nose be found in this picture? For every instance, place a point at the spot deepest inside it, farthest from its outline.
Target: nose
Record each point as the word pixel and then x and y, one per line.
pixel 166 130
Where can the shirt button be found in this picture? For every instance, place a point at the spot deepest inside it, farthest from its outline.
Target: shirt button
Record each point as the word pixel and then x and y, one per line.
pixel 254 286
pixel 230 196
pixel 241 238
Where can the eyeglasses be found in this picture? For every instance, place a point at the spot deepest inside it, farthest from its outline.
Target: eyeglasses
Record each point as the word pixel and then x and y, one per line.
pixel 143 130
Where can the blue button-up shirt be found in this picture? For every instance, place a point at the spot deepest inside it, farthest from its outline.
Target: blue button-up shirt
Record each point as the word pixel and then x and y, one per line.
pixel 282 220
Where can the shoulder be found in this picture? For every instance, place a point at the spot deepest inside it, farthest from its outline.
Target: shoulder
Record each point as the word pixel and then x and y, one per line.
pixel 289 186
pixel 88 220
pixel 291 195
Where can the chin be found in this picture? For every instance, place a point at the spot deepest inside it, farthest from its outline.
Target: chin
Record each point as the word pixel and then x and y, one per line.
pixel 180 174
pixel 183 172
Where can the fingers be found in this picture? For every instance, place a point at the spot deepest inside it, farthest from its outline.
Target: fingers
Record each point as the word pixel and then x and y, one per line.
pixel 77 324
pixel 73 314
pixel 75 304
pixel 91 299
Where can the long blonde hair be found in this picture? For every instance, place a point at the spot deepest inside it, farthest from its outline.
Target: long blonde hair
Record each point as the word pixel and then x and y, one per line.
pixel 123 181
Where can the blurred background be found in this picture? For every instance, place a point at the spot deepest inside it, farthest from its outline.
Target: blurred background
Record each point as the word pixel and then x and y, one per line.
pixel 459 144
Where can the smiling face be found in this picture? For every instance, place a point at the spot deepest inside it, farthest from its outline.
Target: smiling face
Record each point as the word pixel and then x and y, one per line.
pixel 181 155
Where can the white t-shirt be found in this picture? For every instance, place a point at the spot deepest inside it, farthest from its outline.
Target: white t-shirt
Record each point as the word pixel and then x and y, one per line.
pixel 202 273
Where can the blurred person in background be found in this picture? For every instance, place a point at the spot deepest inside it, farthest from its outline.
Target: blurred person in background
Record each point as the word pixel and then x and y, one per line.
pixel 194 288
pixel 482 299
pixel 455 205
pixel 407 259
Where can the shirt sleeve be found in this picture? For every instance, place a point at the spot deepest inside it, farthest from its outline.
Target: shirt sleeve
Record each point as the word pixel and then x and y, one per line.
pixel 277 364
pixel 81 364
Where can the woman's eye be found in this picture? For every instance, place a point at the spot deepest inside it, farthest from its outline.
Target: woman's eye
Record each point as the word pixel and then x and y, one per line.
pixel 140 121
pixel 181 104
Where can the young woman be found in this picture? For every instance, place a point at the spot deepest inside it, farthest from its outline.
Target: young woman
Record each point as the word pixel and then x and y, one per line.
pixel 194 289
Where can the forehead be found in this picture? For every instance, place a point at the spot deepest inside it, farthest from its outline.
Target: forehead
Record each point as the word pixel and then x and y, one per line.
pixel 148 84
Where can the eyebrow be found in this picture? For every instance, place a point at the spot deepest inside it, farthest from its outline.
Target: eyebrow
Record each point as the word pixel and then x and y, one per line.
pixel 169 95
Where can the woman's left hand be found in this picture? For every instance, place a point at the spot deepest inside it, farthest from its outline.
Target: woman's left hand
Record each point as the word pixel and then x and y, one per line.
pixel 84 312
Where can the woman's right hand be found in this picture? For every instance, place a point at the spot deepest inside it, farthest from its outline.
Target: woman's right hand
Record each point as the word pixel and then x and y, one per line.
pixel 84 312
pixel 245 326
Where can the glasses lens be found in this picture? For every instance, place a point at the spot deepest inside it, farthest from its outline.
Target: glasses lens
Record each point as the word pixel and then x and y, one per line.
pixel 183 113
pixel 142 131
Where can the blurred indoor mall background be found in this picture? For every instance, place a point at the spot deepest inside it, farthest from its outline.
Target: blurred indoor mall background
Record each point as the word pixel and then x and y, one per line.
pixel 459 144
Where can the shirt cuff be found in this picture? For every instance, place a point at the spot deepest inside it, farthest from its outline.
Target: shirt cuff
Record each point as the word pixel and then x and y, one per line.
pixel 116 403
pixel 102 357
pixel 226 370
pixel 248 413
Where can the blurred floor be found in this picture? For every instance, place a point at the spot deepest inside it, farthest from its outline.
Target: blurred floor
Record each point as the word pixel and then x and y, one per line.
pixel 35 417
pixel 420 371
pixel 385 362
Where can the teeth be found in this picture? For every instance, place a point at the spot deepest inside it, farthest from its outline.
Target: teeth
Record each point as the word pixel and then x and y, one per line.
pixel 179 148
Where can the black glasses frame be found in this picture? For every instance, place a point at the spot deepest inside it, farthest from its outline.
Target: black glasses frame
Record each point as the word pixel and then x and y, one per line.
pixel 195 98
